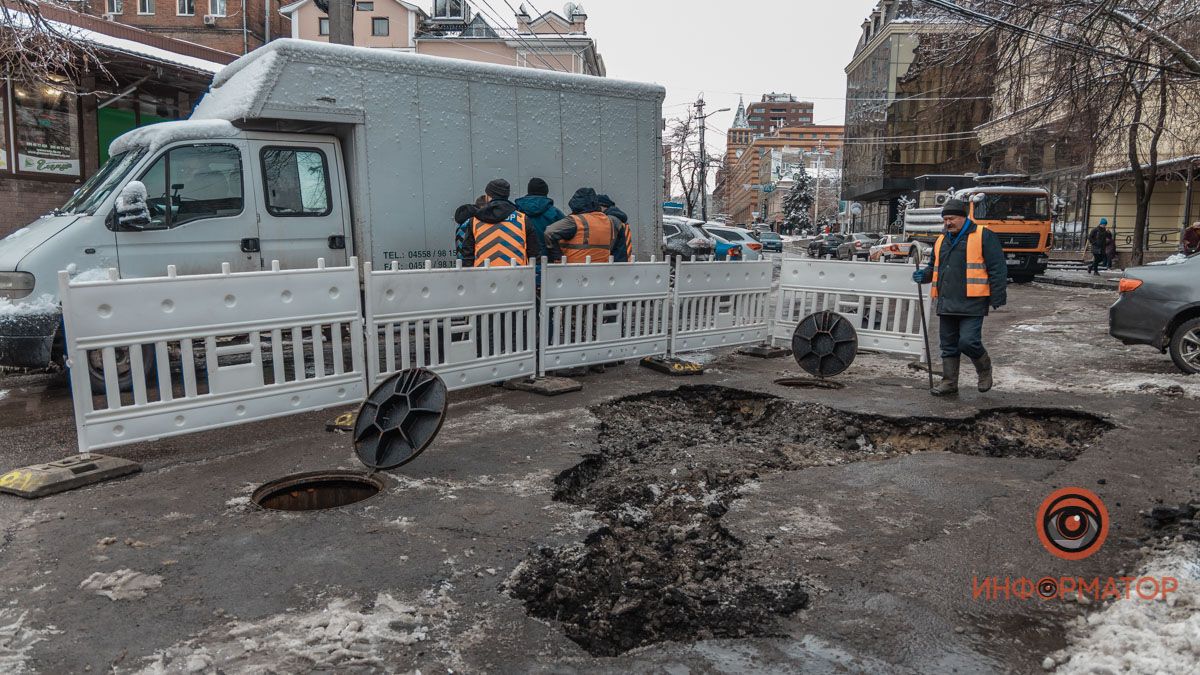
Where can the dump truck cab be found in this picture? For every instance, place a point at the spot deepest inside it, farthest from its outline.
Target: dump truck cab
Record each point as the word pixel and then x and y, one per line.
pixel 1021 217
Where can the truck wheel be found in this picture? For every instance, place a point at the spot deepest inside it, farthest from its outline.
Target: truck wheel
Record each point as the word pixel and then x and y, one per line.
pixel 1022 278
pixel 95 366
pixel 1185 347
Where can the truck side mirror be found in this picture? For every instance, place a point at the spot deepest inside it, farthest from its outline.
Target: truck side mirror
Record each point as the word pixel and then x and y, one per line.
pixel 133 213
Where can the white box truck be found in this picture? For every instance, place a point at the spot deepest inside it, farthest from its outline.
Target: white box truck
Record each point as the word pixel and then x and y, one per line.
pixel 304 150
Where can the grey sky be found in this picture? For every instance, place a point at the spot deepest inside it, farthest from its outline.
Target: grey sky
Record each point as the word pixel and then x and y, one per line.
pixel 722 48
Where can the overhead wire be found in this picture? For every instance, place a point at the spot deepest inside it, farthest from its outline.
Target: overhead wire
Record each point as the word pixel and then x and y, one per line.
pixel 499 25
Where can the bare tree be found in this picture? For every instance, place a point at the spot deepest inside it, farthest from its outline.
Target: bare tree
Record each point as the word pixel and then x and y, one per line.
pixel 1123 72
pixel 683 135
pixel 34 48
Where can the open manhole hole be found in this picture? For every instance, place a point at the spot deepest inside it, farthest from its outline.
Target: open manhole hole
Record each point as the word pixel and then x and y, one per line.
pixel 809 383
pixel 316 491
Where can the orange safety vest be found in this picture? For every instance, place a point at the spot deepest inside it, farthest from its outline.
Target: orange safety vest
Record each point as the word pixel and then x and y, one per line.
pixel 593 238
pixel 628 242
pixel 978 285
pixel 501 244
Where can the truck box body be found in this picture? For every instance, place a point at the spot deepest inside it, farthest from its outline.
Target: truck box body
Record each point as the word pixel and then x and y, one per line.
pixel 422 135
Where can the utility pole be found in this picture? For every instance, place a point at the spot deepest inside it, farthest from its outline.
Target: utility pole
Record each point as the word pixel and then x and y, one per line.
pixel 341 22
pixel 820 153
pixel 703 161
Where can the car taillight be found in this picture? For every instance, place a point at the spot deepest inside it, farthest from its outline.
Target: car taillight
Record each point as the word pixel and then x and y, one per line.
pixel 1129 285
pixel 754 247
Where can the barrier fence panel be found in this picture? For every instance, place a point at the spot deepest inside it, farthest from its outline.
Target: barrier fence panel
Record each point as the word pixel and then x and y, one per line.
pixel 472 326
pixel 603 312
pixel 719 304
pixel 880 299
pixel 208 351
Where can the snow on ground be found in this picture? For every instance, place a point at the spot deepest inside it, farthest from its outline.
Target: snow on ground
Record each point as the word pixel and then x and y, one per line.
pixel 41 305
pixel 3 394
pixel 17 638
pixel 1141 636
pixel 343 634
pixel 124 584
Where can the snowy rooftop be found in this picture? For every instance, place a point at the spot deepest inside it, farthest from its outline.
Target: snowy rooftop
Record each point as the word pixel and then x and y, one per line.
pixel 20 20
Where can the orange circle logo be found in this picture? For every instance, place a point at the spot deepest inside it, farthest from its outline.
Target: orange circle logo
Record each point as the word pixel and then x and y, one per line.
pixel 1072 523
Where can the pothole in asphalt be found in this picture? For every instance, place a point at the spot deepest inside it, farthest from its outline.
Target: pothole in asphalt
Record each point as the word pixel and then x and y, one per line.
pixel 663 568
pixel 316 491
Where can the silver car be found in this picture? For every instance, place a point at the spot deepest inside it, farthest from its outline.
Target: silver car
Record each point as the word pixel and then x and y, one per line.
pixel 1160 306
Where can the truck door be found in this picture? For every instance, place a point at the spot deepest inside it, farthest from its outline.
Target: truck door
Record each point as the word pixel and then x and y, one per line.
pixel 201 214
pixel 303 217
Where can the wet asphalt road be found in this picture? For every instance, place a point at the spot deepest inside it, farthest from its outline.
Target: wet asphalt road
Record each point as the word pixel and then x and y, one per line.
pixel 889 548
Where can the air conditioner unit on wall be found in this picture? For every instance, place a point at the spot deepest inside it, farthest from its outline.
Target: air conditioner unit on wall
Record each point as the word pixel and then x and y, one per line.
pixel 940 200
pixel 210 19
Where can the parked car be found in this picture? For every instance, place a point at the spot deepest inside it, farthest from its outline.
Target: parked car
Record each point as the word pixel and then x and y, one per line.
pixel 824 245
pixel 857 245
pixel 771 241
pixel 751 247
pixel 684 237
pixel 1159 306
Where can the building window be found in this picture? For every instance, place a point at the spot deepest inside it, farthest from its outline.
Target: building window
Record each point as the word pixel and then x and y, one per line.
pixel 47 129
pixel 113 6
pixel 296 182
pixel 322 26
pixel 185 7
pixel 216 7
pixel 365 6
pixel 449 9
pixel 145 6
pixel 379 27
pixel 205 182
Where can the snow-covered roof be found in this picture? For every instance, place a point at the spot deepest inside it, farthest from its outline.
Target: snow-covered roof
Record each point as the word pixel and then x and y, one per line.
pixel 21 20
pixel 1162 164
pixel 244 88
pixel 1002 189
pixel 155 136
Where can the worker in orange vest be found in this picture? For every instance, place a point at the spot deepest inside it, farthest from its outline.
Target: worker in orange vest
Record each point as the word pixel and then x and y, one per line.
pixel 587 233
pixel 969 275
pixel 610 208
pixel 497 235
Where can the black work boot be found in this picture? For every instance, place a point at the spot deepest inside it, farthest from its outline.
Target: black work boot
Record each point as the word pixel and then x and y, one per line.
pixel 949 384
pixel 983 366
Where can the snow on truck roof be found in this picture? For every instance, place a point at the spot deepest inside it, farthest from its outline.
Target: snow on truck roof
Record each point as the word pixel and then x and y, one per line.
pixel 242 89
pixel 1003 189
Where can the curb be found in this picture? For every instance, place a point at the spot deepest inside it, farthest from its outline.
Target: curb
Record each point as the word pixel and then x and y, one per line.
pixel 1056 281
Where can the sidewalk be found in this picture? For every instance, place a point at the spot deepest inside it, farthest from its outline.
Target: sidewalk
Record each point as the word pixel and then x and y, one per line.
pixel 1107 281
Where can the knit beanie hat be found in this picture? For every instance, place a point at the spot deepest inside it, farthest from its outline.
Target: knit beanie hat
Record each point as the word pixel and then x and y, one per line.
pixel 497 189
pixel 954 207
pixel 537 186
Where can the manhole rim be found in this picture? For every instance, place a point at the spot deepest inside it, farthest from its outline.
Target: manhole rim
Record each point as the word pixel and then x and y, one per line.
pixel 805 383
pixel 277 485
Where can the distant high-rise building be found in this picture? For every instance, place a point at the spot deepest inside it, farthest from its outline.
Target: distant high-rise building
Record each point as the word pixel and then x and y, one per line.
pixel 776 111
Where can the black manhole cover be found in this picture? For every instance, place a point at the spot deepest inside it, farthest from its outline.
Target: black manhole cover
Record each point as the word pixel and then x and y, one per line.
pixel 825 344
pixel 400 418
pixel 809 383
pixel 316 491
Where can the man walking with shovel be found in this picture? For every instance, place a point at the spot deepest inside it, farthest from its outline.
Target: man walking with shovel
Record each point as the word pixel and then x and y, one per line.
pixel 969 275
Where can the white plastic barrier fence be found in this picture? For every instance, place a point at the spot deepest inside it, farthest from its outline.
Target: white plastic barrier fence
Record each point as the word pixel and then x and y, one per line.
pixel 472 326
pixel 603 312
pixel 720 304
pixel 880 299
pixel 210 351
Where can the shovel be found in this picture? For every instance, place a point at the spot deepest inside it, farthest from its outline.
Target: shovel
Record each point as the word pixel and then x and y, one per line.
pixel 924 324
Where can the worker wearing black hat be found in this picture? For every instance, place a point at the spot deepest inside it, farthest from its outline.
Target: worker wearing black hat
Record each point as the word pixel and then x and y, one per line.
pixel 969 275
pixel 498 235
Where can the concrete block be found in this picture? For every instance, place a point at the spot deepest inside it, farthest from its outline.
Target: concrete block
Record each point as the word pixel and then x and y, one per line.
pixel 545 386
pixel 41 480
pixel 765 352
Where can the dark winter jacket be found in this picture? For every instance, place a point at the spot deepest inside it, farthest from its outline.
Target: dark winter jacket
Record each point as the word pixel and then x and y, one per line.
pixel 495 211
pixel 584 201
pixel 1099 239
pixel 952 276
pixel 1191 240
pixel 540 212
pixel 462 222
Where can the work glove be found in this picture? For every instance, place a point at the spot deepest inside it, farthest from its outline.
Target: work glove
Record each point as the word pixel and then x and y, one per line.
pixel 996 304
pixel 918 276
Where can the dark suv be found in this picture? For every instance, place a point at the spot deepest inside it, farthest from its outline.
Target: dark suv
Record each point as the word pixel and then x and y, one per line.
pixel 826 244
pixel 1160 306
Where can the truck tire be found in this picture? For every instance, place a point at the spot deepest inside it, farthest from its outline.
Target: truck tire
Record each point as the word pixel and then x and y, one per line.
pixel 1022 278
pixel 1185 347
pixel 124 368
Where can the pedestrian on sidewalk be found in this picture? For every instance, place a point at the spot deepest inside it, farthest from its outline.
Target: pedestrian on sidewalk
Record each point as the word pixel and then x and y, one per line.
pixel 1099 238
pixel 969 275
pixel 1110 253
pixel 540 211
pixel 1191 239
pixel 497 234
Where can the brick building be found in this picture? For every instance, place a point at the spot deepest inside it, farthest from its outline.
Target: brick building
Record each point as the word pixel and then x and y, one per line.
pixel 52 139
pixel 749 178
pixel 776 111
pixel 235 26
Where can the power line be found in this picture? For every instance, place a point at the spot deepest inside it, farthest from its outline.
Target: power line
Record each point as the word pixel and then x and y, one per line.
pixel 551 24
pixel 494 15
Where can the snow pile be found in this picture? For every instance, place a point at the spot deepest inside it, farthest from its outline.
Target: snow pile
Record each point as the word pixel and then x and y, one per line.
pixel 18 233
pixel 44 304
pixel 123 584
pixel 17 639
pixel 1173 260
pixel 1140 636
pixel 3 394
pixel 155 136
pixel 332 638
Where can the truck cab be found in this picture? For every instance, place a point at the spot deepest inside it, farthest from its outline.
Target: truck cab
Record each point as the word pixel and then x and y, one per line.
pixel 215 194
pixel 1021 217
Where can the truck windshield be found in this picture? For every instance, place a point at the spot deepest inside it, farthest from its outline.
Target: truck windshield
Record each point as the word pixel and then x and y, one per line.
pixel 89 197
pixel 1012 207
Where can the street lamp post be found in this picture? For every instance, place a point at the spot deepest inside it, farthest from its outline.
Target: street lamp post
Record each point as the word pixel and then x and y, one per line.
pixel 704 156
pixel 820 153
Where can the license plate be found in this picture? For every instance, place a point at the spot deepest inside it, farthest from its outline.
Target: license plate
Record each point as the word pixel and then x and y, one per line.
pixel 1013 261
